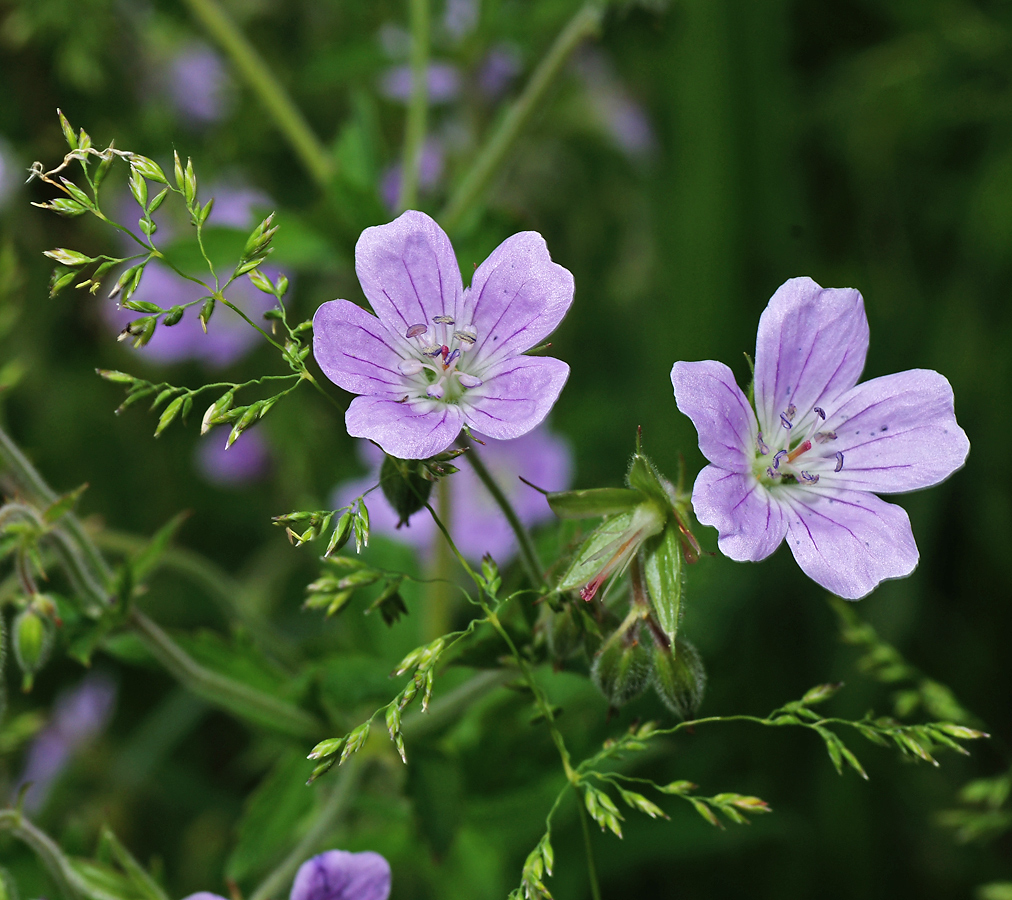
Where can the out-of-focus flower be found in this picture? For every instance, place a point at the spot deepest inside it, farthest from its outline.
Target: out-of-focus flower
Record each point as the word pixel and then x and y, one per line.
pixel 623 119
pixel 199 85
pixel 498 70
pixel 805 463
pixel 245 461
pixel 430 171
pixel 335 875
pixel 460 18
pixel 79 715
pixel 443 80
pixel 437 357
pixel 475 520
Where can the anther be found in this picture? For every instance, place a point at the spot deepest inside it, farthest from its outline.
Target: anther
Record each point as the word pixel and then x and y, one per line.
pixel 785 421
pixel 468 337
pixel 820 411
pixel 822 436
pixel 433 350
pixel 469 381
pixel 452 358
pixel 436 391
pixel 776 459
pixel 763 448
pixel 791 411
pixel 772 472
pixel 443 320
pixel 803 447
pixel 809 478
pixel 410 366
pixel 839 461
pixel 416 330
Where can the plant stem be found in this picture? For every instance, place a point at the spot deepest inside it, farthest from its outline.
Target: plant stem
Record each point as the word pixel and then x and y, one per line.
pixel 439 595
pixel 271 94
pixel 532 565
pixel 333 809
pixel 584 24
pixel 418 107
pixel 46 849
pixel 595 888
pixel 220 690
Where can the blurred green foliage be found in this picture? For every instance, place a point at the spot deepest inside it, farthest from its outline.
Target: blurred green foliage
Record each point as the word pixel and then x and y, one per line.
pixel 866 143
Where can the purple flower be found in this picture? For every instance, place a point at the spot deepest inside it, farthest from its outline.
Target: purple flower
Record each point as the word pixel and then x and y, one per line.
pixel 805 464
pixel 437 357
pixel 245 461
pixel 498 69
pixel 430 171
pixel 475 519
pixel 460 18
pixel 199 85
pixel 335 875
pixel 79 714
pixel 443 82
pixel 619 114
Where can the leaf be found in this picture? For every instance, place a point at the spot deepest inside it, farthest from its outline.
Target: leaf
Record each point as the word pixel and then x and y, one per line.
pixel 588 560
pixel 593 503
pixel 150 555
pixel 663 572
pixel 146 886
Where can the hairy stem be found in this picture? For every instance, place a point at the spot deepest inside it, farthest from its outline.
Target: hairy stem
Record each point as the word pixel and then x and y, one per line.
pixel 418 107
pixel 269 91
pixel 529 556
pixel 45 848
pixel 584 24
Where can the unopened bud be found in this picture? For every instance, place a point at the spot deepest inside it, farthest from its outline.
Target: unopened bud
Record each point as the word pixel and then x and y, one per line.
pixel 33 641
pixel 679 677
pixel 620 671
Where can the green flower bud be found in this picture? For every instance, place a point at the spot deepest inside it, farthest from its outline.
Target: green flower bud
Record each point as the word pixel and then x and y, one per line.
pixel 679 677
pixel 33 641
pixel 563 632
pixel 406 493
pixel 621 671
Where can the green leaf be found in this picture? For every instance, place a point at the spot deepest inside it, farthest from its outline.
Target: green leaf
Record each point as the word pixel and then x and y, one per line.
pixel 588 561
pixel 62 505
pixel 594 502
pixel 150 556
pixel 146 886
pixel 664 577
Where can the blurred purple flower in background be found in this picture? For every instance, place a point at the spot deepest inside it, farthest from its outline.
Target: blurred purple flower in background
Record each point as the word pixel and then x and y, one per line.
pixel 443 80
pixel 335 875
pixel 430 172
pixel 198 85
pixel 623 119
pixel 804 464
pixel 477 523
pixel 248 459
pixel 79 714
pixel 498 70
pixel 437 357
pixel 460 18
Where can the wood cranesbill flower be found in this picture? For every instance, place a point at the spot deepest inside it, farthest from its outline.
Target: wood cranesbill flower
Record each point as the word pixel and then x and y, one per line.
pixel 807 463
pixel 437 356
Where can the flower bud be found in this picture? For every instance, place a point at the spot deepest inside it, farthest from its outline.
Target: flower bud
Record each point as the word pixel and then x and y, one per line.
pixel 621 671
pixel 563 632
pixel 33 641
pixel 406 493
pixel 679 677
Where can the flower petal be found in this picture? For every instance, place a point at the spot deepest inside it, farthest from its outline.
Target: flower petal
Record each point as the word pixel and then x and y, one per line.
pixel 810 349
pixel 517 298
pixel 409 272
pixel 355 349
pixel 751 523
pixel 340 875
pixel 414 430
pixel 897 433
pixel 707 393
pixel 516 396
pixel 848 541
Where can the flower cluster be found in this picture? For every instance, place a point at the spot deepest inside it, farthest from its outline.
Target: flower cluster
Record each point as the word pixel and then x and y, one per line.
pixel 807 462
pixel 437 357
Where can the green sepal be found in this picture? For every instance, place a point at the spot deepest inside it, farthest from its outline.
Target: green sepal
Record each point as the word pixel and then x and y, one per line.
pixel 679 677
pixel 593 502
pixel 664 577
pixel 621 672
pixel 587 562
pixel 405 488
pixel 643 476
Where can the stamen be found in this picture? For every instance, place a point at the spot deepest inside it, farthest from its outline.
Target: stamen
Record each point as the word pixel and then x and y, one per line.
pixel 791 411
pixel 410 366
pixel 416 330
pixel 777 458
pixel 820 411
pixel 809 478
pixel 797 451
pixel 436 391
pixel 443 320
pixel 785 421
pixel 822 437
pixel 469 381
pixel 468 336
pixel 453 357
pixel 772 472
pixel 764 450
pixel 839 461
pixel 433 350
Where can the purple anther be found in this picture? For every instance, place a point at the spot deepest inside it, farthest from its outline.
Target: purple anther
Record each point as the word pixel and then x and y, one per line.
pixel 434 350
pixel 763 449
pixel 792 411
pixel 452 358
pixel 443 320
pixel 776 459
pixel 822 436
pixel 772 472
pixel 785 421
pixel 839 461
pixel 416 330
pixel 820 411
pixel 809 478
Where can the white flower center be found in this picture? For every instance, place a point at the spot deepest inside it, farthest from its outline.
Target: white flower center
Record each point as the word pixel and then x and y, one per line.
pixel 787 456
pixel 436 369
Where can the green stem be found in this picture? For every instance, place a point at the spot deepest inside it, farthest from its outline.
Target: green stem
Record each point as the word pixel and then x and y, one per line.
pixel 595 888
pixel 584 24
pixel 438 596
pixel 418 107
pixel 529 556
pixel 45 848
pixel 272 95
pixel 219 690
pixel 333 809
